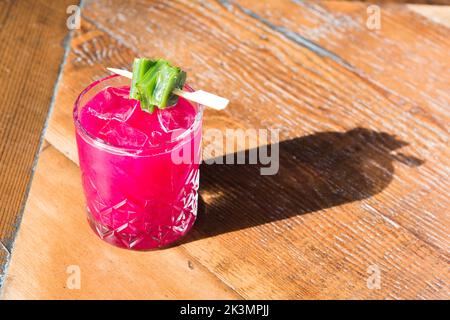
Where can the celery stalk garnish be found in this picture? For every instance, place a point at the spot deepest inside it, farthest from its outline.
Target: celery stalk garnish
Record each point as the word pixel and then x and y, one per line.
pixel 153 83
pixel 140 67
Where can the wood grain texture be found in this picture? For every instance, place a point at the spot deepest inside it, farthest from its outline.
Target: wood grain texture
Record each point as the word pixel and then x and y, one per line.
pixel 395 59
pixel 31 51
pixel 364 161
pixel 424 2
pixel 437 14
pixel 57 200
pixel 368 55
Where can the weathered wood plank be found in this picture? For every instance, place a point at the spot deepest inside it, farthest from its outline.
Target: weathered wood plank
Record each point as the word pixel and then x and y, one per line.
pixel 424 2
pixel 437 14
pixel 31 37
pixel 324 91
pixel 407 53
pixel 345 198
pixel 54 236
pixel 340 30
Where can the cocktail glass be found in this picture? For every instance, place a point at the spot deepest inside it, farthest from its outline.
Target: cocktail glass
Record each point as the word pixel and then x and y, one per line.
pixel 139 198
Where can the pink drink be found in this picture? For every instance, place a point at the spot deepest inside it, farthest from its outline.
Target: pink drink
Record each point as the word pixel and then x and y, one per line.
pixel 139 170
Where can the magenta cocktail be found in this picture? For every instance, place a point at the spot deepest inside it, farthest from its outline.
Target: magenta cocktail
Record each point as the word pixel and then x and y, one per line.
pixel 139 170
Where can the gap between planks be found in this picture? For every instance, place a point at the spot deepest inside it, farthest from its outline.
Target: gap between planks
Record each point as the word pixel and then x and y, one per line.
pixel 298 39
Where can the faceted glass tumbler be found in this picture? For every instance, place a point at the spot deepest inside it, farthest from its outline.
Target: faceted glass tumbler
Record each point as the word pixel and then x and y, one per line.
pixel 138 199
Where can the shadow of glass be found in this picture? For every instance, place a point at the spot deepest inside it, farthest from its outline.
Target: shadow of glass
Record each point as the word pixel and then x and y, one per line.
pixel 317 171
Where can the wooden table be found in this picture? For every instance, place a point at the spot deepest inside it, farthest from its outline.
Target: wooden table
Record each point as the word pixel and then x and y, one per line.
pixel 362 190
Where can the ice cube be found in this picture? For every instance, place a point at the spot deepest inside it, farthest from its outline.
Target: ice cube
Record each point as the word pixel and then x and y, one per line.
pixel 155 138
pixel 120 134
pixel 175 118
pixel 112 104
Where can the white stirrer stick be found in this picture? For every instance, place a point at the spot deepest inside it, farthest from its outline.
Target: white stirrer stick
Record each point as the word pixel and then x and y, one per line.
pixel 205 98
